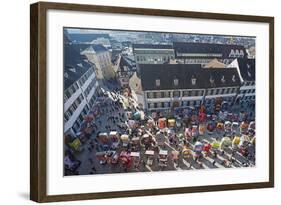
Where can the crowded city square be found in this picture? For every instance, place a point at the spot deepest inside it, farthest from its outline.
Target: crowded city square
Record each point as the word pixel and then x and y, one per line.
pixel 118 136
pixel 150 101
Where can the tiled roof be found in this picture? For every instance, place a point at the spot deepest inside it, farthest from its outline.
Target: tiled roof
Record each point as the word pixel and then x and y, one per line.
pixel 247 69
pixel 75 65
pixel 167 73
pixel 208 48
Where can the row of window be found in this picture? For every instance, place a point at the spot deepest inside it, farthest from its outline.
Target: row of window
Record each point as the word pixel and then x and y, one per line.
pixel 165 94
pixel 221 91
pixel 74 87
pixel 190 93
pixel 104 59
pixel 154 52
pixel 175 81
pixel 158 105
pixel 93 99
pixel 90 86
pixel 69 91
pixel 154 59
pixel 80 118
pixel 191 103
pixel 73 107
pixel 169 104
pixel 200 55
pixel 202 61
pixel 85 77
pixel 213 100
pixel 245 98
pixel 248 91
pixel 196 61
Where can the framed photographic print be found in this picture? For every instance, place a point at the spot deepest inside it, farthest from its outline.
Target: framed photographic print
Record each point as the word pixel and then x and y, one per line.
pixel 134 102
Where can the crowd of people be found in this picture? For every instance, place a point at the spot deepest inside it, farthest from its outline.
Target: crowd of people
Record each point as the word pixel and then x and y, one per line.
pixel 125 138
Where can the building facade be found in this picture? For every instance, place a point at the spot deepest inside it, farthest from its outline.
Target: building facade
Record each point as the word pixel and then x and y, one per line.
pixel 181 85
pixel 101 57
pixel 80 88
pixel 153 53
pixel 126 68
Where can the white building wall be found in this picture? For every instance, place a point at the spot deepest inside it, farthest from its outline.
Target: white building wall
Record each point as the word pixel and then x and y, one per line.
pixel 220 95
pixel 74 116
pixel 243 94
pixel 192 98
pixel 186 98
pixel 150 57
pixel 171 99
pixel 88 81
pixel 150 100
pixel 68 124
pixel 247 87
pixel 72 98
pixel 92 92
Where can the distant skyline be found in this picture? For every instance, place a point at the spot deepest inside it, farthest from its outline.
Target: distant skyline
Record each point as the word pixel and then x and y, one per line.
pixel 111 31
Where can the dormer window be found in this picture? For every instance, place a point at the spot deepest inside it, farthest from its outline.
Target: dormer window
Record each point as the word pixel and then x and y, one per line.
pixel 157 82
pixel 241 53
pixel 193 80
pixel 176 82
pixel 212 80
pixel 233 78
pixel 232 53
pixel 65 75
pixel 237 53
pixel 249 74
pixel 223 79
pixel 248 70
pixel 73 70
